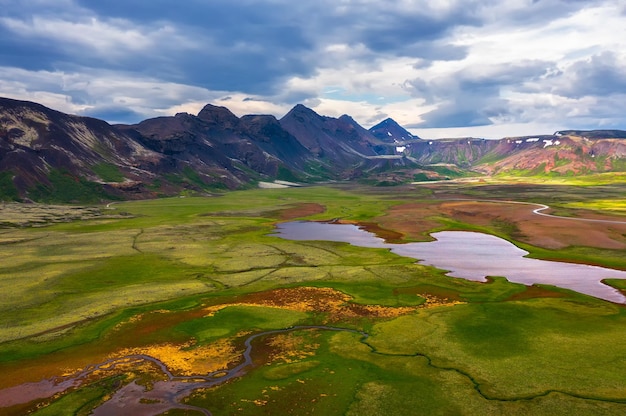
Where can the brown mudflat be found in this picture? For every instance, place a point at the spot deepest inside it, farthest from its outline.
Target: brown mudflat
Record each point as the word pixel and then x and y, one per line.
pixel 414 220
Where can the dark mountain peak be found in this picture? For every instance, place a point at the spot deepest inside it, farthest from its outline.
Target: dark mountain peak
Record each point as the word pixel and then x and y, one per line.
pixel 348 119
pixel 266 124
pixel 301 112
pixel 337 140
pixel 302 108
pixel 353 124
pixel 388 122
pixel 389 130
pixel 259 118
pixel 218 115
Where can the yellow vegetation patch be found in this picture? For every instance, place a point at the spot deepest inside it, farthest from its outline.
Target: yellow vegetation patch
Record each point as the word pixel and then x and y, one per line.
pixel 326 300
pixel 291 347
pixel 303 299
pixel 186 360
pixel 433 301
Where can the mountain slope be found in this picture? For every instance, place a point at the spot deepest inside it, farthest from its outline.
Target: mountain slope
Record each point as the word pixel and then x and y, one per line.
pixel 557 155
pixel 218 144
pixel 36 141
pixel 44 152
pixel 51 156
pixel 328 138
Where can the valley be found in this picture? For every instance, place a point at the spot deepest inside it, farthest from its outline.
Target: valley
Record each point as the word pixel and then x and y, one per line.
pixel 118 310
pixel 315 208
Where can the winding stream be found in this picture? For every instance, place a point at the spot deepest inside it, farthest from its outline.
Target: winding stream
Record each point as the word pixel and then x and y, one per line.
pixel 136 400
pixel 539 211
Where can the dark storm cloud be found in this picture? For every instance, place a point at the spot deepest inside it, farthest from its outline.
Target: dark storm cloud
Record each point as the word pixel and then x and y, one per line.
pixel 472 97
pixel 218 45
pixel 287 52
pixel 410 33
pixel 600 75
pixel 250 46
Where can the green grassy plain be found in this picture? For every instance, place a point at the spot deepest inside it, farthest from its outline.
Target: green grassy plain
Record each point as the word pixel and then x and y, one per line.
pixel 76 293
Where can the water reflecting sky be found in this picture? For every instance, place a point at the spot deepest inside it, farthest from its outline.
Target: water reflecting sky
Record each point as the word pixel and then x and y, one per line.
pixel 471 256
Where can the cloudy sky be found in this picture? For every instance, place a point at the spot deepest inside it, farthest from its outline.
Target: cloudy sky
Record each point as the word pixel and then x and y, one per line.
pixel 445 68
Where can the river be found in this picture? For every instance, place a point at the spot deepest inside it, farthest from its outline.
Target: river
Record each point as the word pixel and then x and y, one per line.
pixel 471 256
pixel 137 400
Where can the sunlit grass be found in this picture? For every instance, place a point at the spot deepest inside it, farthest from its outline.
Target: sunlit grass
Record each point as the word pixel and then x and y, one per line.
pixel 617 206
pixel 552 351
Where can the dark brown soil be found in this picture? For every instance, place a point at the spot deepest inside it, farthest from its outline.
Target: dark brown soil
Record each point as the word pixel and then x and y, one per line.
pixel 415 220
pixel 536 292
pixel 301 210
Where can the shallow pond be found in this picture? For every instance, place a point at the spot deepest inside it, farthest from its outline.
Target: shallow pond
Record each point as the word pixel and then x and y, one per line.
pixel 470 255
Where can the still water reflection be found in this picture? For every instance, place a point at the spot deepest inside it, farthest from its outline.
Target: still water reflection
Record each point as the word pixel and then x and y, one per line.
pixel 471 256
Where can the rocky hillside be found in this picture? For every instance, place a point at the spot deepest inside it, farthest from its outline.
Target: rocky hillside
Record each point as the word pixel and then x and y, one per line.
pixel 48 155
pixel 51 156
pixel 557 154
pixel 39 145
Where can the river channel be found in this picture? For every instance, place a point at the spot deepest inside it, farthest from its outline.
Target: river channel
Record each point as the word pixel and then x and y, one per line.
pixel 471 256
pixel 137 400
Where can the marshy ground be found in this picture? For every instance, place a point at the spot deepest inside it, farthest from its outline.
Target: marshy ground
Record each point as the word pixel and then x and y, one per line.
pixel 188 280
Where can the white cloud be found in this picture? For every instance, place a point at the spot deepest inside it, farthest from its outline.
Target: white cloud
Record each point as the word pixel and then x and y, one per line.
pixel 86 92
pixel 444 63
pixel 109 39
pixel 495 131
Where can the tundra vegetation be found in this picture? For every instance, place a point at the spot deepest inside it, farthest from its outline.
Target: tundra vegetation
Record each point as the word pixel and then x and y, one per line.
pixel 187 280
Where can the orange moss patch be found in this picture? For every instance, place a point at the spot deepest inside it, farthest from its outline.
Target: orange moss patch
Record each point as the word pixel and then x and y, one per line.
pixel 337 305
pixel 291 347
pixel 433 301
pixel 303 299
pixel 184 359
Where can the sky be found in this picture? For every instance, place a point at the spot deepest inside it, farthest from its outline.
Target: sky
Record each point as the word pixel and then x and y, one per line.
pixel 445 68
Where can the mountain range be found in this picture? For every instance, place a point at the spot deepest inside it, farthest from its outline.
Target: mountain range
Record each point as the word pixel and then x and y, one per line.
pixel 46 155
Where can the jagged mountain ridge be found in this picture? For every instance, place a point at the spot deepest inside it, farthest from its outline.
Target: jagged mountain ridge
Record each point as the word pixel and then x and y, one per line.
pixel 45 154
pixel 390 131
pixel 214 149
pixel 336 139
pixel 218 144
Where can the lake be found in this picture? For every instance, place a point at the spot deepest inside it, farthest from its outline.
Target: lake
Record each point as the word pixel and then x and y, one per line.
pixel 470 255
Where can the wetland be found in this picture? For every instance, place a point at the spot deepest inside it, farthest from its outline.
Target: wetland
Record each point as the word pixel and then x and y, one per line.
pixel 190 306
pixel 472 256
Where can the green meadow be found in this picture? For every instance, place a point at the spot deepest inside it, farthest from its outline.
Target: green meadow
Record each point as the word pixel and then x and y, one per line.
pixel 140 273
